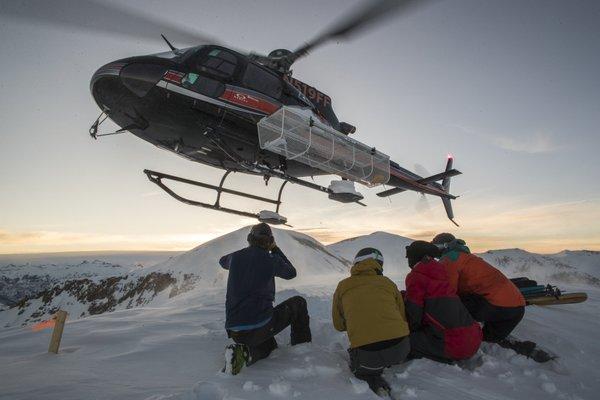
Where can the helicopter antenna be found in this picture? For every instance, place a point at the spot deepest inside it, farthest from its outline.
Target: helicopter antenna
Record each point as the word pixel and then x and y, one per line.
pixel 169 43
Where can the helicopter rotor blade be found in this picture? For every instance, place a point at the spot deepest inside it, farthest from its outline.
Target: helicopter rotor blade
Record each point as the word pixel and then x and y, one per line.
pixel 421 170
pixel 90 15
pixel 422 205
pixel 359 19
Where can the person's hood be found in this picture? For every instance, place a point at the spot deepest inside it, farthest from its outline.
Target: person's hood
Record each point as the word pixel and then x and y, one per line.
pixel 366 267
pixel 432 269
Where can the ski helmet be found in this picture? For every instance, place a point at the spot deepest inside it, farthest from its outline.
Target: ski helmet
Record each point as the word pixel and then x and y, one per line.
pixel 443 238
pixel 367 253
pixel 420 249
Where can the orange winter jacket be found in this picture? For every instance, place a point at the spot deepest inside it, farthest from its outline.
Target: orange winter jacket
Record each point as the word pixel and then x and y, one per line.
pixel 470 274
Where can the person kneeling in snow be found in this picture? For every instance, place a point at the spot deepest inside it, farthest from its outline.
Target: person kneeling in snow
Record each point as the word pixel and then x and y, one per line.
pixel 251 320
pixel 489 296
pixel 370 308
pixel 441 328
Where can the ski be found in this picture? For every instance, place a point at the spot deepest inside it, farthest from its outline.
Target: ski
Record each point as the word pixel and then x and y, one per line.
pixel 541 295
pixel 567 298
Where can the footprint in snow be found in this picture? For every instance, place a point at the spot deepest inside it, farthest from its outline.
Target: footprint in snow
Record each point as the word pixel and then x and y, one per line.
pixel 281 388
pixel 249 386
pixel 206 391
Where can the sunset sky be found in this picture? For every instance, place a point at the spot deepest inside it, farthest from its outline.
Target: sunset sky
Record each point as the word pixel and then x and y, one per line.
pixel 510 88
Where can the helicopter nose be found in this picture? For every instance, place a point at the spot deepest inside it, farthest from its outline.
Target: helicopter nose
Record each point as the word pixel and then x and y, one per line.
pixel 109 70
pixel 137 76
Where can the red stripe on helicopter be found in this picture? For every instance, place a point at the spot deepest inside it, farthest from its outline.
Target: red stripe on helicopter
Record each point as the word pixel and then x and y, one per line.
pixel 247 100
pixel 173 76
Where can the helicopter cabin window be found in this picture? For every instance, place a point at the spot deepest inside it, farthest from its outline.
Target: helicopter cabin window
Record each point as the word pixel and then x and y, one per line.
pixel 256 78
pixel 219 62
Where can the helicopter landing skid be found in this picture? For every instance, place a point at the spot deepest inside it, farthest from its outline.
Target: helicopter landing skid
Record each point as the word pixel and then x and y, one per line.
pixel 271 217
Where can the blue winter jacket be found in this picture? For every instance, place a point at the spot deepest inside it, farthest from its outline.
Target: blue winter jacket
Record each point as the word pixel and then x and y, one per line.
pixel 251 284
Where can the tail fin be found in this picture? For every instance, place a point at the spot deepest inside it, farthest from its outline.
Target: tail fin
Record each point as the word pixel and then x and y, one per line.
pixel 446 181
pixel 446 187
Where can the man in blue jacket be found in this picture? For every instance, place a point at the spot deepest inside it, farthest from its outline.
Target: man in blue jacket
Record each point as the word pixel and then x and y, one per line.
pixel 251 320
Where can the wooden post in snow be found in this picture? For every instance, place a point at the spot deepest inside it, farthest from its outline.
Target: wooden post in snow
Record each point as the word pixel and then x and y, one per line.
pixel 61 317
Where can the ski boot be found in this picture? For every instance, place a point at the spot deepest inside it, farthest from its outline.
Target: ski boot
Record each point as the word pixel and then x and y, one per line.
pixel 379 386
pixel 236 357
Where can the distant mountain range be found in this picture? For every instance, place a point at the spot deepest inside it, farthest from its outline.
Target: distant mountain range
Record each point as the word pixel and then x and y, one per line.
pixel 100 284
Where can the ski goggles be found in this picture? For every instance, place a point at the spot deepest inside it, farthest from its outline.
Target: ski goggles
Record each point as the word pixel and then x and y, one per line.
pixel 374 256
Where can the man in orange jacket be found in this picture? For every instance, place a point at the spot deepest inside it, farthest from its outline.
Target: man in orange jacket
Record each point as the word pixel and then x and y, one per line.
pixel 489 296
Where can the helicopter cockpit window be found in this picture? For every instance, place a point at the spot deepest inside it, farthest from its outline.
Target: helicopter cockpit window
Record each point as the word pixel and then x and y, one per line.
pixel 219 62
pixel 262 81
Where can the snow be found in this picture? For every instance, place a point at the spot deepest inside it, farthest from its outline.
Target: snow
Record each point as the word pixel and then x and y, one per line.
pixel 344 187
pixel 391 246
pixel 173 348
pixel 271 217
pixel 570 267
pixel 23 275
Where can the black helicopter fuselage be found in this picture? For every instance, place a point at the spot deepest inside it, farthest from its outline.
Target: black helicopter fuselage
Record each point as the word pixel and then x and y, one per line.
pixel 204 104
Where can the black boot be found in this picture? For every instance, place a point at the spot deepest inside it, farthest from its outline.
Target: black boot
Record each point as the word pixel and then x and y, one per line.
pixel 378 385
pixel 300 323
pixel 527 348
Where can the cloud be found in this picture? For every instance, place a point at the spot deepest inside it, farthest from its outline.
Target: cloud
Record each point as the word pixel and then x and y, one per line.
pixel 20 237
pixel 532 144
pixel 486 223
pixel 52 241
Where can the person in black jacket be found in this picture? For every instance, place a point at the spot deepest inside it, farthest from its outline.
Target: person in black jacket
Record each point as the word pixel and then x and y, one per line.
pixel 251 320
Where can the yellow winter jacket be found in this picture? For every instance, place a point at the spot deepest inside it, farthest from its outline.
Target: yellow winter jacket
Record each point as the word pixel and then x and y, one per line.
pixel 368 306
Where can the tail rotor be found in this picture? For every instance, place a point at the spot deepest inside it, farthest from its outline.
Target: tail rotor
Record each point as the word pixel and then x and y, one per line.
pixel 446 186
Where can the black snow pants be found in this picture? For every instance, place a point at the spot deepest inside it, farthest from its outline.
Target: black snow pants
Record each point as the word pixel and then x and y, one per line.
pixel 370 360
pixel 498 322
pixel 261 341
pixel 427 343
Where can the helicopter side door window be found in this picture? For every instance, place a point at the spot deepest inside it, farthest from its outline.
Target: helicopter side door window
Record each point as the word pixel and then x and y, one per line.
pixel 262 81
pixel 218 62
pixel 203 85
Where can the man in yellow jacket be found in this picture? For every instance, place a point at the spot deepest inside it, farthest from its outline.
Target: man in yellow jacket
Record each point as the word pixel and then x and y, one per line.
pixel 370 308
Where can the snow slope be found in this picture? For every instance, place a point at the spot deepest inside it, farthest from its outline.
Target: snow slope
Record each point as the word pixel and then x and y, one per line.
pixel 176 350
pixel 312 258
pixel 172 348
pixel 391 246
pixel 93 288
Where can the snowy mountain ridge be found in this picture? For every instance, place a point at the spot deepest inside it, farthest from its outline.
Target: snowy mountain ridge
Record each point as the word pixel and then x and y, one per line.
pixel 565 267
pixel 158 334
pixel 18 281
pixel 93 287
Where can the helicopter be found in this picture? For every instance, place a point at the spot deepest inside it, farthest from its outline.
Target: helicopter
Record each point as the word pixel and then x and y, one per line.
pixel 245 112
